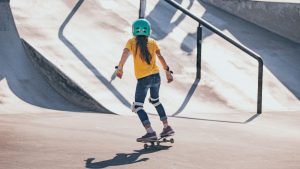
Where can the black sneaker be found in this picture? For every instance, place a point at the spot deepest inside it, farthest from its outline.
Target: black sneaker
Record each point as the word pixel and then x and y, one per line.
pixel 147 137
pixel 167 132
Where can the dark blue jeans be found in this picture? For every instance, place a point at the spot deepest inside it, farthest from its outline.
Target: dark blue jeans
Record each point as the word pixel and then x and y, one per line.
pixel 151 82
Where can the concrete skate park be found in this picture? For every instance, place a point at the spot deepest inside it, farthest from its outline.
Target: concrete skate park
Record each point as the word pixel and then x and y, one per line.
pixel 61 105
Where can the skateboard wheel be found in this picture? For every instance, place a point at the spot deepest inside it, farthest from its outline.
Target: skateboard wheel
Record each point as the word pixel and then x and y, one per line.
pixel 172 140
pixel 145 146
pixel 164 140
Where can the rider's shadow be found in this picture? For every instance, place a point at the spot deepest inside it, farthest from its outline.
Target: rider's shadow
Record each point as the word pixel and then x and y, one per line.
pixel 124 158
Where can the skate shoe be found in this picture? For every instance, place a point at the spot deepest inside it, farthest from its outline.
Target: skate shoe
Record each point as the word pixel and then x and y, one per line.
pixel 167 131
pixel 147 137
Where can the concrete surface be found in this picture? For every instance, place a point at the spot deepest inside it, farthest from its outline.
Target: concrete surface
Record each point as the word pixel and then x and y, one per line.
pixel 214 118
pixel 281 17
pixel 23 72
pixel 61 83
pixel 85 39
pixel 280 1
pixel 22 88
pixel 82 140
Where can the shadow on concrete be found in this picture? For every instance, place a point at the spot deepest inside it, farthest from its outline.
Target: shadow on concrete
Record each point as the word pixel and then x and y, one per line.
pixel 189 47
pixel 252 118
pixel 188 97
pixel 1 77
pixel 23 79
pixel 29 85
pixel 84 60
pixel 161 20
pixel 221 121
pixel 161 16
pixel 280 55
pixel 124 158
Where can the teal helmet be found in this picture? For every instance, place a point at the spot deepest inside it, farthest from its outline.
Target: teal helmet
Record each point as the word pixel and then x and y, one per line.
pixel 141 27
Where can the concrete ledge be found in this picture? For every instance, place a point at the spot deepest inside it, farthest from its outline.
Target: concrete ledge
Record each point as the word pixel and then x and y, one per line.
pixel 61 83
pixel 280 18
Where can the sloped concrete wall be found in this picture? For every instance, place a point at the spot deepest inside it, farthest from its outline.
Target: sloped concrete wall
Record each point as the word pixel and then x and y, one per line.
pixel 61 83
pixel 280 18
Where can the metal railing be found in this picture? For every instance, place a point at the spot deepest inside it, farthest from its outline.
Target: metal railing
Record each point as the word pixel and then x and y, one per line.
pixel 142 8
pixel 218 32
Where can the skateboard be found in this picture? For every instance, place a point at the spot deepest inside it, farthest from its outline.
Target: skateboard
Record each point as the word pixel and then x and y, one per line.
pixel 159 140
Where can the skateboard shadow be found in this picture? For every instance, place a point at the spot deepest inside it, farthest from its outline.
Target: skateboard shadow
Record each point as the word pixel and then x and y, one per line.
pixel 124 158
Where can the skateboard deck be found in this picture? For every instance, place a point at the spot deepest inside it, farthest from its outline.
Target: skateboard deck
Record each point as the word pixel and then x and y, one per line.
pixel 157 142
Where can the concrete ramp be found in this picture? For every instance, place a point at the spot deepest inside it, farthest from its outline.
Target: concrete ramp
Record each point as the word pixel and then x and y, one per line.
pixel 22 87
pixel 84 39
pixel 20 82
pixel 215 122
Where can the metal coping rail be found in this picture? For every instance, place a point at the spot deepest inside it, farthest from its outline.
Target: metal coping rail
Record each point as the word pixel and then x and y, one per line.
pixel 238 45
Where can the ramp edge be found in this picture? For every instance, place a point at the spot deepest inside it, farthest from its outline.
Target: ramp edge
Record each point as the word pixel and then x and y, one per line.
pixel 65 86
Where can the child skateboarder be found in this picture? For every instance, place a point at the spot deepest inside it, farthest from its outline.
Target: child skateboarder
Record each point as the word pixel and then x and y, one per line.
pixel 145 51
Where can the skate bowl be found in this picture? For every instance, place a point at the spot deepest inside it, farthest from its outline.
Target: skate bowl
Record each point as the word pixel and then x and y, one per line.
pixel 27 77
pixel 84 40
pixel 70 49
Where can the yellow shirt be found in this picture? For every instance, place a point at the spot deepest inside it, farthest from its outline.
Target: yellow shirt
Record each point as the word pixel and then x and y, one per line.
pixel 141 68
